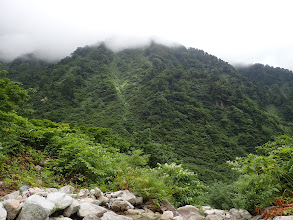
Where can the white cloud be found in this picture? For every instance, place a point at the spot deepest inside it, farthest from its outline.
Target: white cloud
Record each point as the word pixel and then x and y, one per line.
pixel 234 30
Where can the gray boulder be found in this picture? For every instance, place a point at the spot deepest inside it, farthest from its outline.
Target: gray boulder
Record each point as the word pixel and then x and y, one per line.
pixel 98 192
pixel 67 189
pixel 196 217
pixel 167 215
pixel 213 217
pixel 128 196
pixel 188 210
pixel 289 217
pixel 89 208
pixel 23 188
pixel 37 208
pixel 12 195
pixel 12 207
pixel 120 206
pixel 73 208
pixel 114 216
pixel 91 217
pixel 60 218
pixel 3 212
pixel 61 200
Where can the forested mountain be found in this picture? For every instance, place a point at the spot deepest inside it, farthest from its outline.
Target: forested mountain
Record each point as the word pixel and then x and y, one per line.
pixel 176 104
pixel 276 85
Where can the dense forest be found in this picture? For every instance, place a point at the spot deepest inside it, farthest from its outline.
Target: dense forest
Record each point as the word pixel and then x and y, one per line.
pixel 174 116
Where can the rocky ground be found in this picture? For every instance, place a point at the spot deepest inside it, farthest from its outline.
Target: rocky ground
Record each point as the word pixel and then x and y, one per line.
pixel 63 204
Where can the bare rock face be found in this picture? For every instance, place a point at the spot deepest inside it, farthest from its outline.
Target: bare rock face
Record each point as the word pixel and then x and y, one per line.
pixel 12 207
pixel 37 208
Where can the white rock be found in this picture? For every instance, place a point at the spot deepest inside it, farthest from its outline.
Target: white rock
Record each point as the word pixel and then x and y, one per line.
pixel 60 218
pixel 178 218
pixel 67 189
pixel 73 208
pixel 12 195
pixel 289 217
pixel 187 211
pixel 98 192
pixel 167 215
pixel 114 216
pixel 116 194
pixel 135 211
pixel 61 200
pixel 128 196
pixel 91 217
pixel 3 212
pixel 12 207
pixel 209 212
pixel 214 217
pixel 37 208
pixel 89 208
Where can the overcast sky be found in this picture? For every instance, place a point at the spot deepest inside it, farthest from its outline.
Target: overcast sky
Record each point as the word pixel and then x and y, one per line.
pixel 237 31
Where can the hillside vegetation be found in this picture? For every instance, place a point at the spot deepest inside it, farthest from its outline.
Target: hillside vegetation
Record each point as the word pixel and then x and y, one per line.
pixel 175 104
pixel 161 122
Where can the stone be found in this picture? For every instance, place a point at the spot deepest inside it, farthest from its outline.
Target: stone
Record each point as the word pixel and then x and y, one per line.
pixel 89 208
pixel 245 215
pixel 3 212
pixel 60 218
pixel 67 189
pixel 139 201
pixel 50 190
pixel 196 217
pixel 135 211
pixel 72 209
pixel 116 194
pixel 167 215
pixel 118 206
pixel 103 200
pixel 128 196
pixel 83 193
pixel 114 216
pixel 188 210
pixel 178 218
pixel 12 195
pixel 37 208
pixel 23 188
pixel 61 200
pixel 289 217
pixel 213 217
pixel 98 192
pixel 12 207
pixel 91 217
pixel 204 208
pixel 165 205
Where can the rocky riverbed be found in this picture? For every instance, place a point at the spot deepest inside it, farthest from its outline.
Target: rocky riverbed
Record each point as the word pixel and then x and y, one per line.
pixel 67 204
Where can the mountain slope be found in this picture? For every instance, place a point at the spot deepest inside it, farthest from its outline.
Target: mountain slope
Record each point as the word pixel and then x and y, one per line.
pixel 174 103
pixel 276 84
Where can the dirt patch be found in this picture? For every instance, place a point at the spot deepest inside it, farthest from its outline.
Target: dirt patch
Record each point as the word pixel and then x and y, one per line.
pixel 6 189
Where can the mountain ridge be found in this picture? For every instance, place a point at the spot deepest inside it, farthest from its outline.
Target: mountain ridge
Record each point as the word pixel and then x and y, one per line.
pixel 175 103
